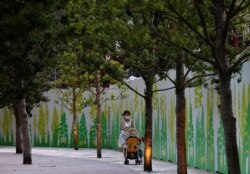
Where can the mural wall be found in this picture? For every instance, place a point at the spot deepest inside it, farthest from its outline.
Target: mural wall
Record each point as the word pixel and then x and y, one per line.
pixel 51 123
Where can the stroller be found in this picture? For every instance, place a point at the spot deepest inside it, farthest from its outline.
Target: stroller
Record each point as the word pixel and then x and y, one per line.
pixel 133 147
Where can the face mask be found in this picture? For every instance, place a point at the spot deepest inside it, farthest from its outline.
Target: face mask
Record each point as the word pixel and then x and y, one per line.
pixel 127 117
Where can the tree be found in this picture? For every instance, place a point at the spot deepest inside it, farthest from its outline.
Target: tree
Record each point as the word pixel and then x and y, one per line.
pixel 23 39
pixel 85 29
pixel 140 52
pixel 211 25
pixel 70 86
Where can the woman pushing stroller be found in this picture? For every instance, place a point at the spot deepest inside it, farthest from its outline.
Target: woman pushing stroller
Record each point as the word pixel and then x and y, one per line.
pixel 127 132
pixel 126 124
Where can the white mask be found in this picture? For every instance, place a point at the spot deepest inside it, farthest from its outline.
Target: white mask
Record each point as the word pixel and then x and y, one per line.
pixel 127 117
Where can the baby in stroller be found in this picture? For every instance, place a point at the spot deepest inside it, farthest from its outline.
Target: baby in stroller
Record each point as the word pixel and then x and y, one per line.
pixel 133 147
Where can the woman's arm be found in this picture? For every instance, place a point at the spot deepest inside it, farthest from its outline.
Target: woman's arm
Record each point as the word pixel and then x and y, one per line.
pixel 122 124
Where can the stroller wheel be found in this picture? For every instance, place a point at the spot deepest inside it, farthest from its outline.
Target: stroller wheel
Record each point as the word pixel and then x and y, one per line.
pixel 126 162
pixel 137 162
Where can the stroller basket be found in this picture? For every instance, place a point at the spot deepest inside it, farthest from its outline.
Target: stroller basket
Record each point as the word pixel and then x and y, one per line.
pixel 133 147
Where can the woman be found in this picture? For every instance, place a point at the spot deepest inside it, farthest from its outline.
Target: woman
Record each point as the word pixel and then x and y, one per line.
pixel 126 124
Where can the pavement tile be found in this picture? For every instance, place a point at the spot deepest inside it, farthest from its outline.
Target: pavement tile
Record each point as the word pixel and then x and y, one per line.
pixel 70 161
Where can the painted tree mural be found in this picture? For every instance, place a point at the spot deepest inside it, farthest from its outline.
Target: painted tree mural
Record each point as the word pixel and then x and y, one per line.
pixel 83 132
pixel 190 136
pixel 156 125
pixel 210 158
pixel 35 137
pixel 55 128
pixel 245 130
pixel 1 135
pixel 63 131
pixel 163 132
pixel 221 155
pixel 171 126
pixel 104 130
pixel 92 135
pixel 41 126
pixel 47 125
pixel 200 141
pixel 6 126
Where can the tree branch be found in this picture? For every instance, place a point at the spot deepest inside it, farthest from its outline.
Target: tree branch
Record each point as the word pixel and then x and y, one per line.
pixel 171 80
pixel 241 7
pixel 189 25
pixel 229 17
pixel 123 82
pixel 184 48
pixel 198 76
pixel 186 74
pixel 159 90
pixel 242 59
pixel 204 26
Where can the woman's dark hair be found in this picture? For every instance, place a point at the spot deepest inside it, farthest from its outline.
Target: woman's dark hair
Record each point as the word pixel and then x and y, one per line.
pixel 126 112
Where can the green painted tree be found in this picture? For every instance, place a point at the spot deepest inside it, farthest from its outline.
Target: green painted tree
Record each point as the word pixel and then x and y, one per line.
pixel 1 136
pixel 200 141
pixel 41 127
pixel 47 125
pixel 210 160
pixel 63 131
pixel 221 155
pixel 104 130
pixel 171 127
pixel 6 125
pixel 35 140
pixel 190 137
pixel 92 134
pixel 242 125
pixel 55 128
pixel 83 132
pixel 246 138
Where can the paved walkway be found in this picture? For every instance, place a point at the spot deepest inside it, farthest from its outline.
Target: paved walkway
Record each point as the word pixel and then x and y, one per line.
pixel 82 161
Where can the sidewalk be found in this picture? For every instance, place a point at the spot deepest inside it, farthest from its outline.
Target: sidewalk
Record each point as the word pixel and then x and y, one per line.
pixel 82 161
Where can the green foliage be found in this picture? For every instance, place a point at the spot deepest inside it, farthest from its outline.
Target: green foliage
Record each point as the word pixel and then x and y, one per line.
pixel 24 38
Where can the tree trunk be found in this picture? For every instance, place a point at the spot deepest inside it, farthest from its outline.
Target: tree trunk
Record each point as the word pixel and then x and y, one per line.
pixel 180 117
pixel 75 123
pixel 148 127
pixel 226 109
pixel 25 131
pixel 229 124
pixel 98 125
pixel 19 139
